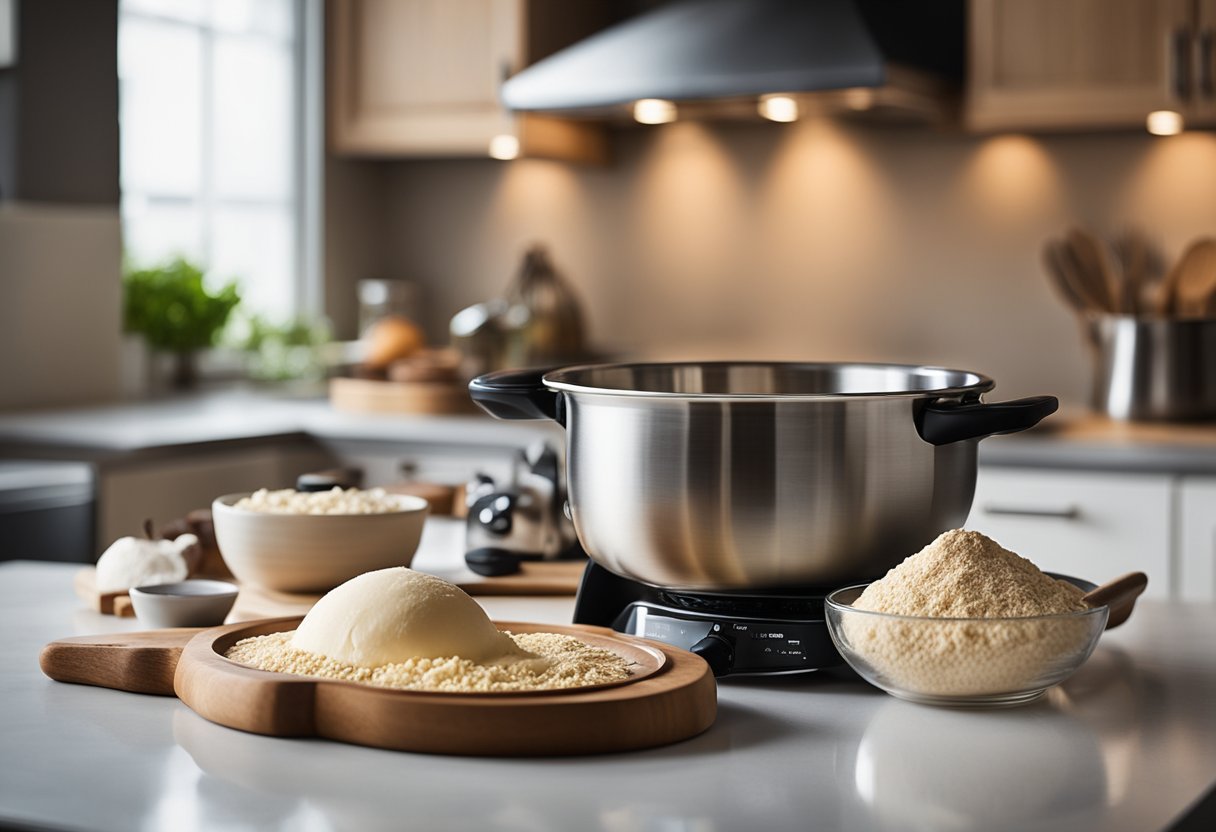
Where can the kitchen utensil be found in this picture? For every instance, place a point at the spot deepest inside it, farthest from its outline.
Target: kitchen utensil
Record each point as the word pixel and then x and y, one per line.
pixel 1154 368
pixel 744 475
pixel 1119 596
pixel 314 552
pixel 672 697
pixel 1142 268
pixel 1093 269
pixel 194 603
pixel 493 562
pixel 1060 266
pixel 1192 283
pixel 526 516
pixel 969 662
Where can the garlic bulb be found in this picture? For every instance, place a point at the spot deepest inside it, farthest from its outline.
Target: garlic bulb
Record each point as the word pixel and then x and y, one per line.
pixel 135 561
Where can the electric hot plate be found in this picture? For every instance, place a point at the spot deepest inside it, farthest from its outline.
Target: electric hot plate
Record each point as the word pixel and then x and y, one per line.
pixel 749 632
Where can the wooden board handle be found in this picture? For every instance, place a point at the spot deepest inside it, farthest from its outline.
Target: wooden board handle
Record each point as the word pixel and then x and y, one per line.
pixel 1120 595
pixel 140 662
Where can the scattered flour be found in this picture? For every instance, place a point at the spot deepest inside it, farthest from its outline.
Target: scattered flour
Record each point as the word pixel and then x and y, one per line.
pixel 553 662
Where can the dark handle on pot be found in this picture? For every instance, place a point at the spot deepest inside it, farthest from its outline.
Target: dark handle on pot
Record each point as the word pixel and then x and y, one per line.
pixel 943 422
pixel 517 394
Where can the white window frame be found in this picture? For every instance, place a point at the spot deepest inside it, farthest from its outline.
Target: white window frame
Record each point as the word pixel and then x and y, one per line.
pixel 307 197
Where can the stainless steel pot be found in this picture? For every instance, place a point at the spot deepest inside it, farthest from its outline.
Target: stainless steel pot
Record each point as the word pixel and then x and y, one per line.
pixel 1154 368
pixel 748 475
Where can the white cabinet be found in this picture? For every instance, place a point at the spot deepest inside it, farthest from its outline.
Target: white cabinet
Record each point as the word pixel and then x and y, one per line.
pixel 1197 539
pixel 166 488
pixel 1092 525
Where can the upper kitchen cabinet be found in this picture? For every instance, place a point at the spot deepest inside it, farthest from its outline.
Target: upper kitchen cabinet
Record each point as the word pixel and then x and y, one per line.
pixel 1082 64
pixel 1204 110
pixel 415 78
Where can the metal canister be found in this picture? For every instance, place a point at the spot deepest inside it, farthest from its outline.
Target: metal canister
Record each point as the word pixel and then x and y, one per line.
pixel 1154 368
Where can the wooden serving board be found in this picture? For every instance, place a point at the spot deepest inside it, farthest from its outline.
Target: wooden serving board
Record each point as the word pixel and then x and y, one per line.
pixel 361 395
pixel 546 578
pixel 672 698
pixel 541 578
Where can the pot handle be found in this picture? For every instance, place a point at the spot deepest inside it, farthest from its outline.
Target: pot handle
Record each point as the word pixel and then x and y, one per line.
pixel 946 421
pixel 517 394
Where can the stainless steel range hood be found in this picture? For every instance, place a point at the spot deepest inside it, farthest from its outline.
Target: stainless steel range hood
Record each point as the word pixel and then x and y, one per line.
pixel 716 57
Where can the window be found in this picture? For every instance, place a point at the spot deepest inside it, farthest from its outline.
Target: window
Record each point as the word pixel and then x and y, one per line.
pixel 214 157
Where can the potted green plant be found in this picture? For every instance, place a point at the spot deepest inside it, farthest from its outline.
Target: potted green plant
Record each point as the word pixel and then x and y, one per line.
pixel 175 313
pixel 290 351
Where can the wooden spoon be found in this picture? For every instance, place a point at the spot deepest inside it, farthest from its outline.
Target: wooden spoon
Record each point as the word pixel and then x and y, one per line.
pixel 1141 267
pixel 1120 595
pixel 1192 281
pixel 1093 266
pixel 1059 267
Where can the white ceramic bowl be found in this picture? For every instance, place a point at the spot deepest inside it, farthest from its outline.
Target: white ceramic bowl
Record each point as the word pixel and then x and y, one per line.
pixel 314 552
pixel 194 603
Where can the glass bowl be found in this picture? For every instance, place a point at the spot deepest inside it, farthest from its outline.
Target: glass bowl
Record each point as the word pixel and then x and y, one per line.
pixel 976 662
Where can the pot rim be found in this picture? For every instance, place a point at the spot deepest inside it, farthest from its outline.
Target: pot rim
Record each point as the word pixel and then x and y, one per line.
pixel 559 379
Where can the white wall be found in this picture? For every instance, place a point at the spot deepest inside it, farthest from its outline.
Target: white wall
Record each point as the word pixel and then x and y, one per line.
pixel 808 241
pixel 60 304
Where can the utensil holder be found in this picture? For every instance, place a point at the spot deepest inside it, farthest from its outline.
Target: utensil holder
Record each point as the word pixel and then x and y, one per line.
pixel 1153 369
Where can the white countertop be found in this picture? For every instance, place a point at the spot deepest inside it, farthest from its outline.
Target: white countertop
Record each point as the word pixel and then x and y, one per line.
pixel 1074 439
pixel 1127 744
pixel 242 415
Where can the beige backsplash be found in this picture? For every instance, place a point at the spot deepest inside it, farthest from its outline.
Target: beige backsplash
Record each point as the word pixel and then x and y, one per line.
pixel 812 241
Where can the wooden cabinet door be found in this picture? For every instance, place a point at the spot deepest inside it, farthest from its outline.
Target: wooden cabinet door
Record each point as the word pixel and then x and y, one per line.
pixel 420 77
pixel 1091 525
pixel 1073 64
pixel 1203 110
pixel 1197 539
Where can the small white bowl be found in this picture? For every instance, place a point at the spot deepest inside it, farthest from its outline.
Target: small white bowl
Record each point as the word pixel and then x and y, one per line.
pixel 194 603
pixel 314 552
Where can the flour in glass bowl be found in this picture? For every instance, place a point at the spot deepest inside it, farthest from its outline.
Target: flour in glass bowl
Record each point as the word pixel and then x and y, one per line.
pixel 1000 640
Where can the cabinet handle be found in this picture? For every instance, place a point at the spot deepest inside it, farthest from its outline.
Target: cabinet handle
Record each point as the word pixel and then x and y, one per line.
pixel 1204 70
pixel 1177 63
pixel 1066 513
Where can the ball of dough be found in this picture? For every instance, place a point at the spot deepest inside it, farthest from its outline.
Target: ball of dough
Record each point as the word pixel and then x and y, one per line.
pixel 392 615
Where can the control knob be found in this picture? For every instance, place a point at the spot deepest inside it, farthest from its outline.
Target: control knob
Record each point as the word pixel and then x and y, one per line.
pixel 717 652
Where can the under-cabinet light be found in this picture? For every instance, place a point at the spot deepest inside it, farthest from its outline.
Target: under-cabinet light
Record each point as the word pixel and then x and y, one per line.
pixel 1164 123
pixel 504 146
pixel 778 108
pixel 654 111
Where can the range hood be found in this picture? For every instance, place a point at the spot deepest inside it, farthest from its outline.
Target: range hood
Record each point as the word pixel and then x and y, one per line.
pixel 717 57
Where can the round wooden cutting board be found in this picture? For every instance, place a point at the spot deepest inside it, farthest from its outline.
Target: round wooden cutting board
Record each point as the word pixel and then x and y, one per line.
pixel 671 697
